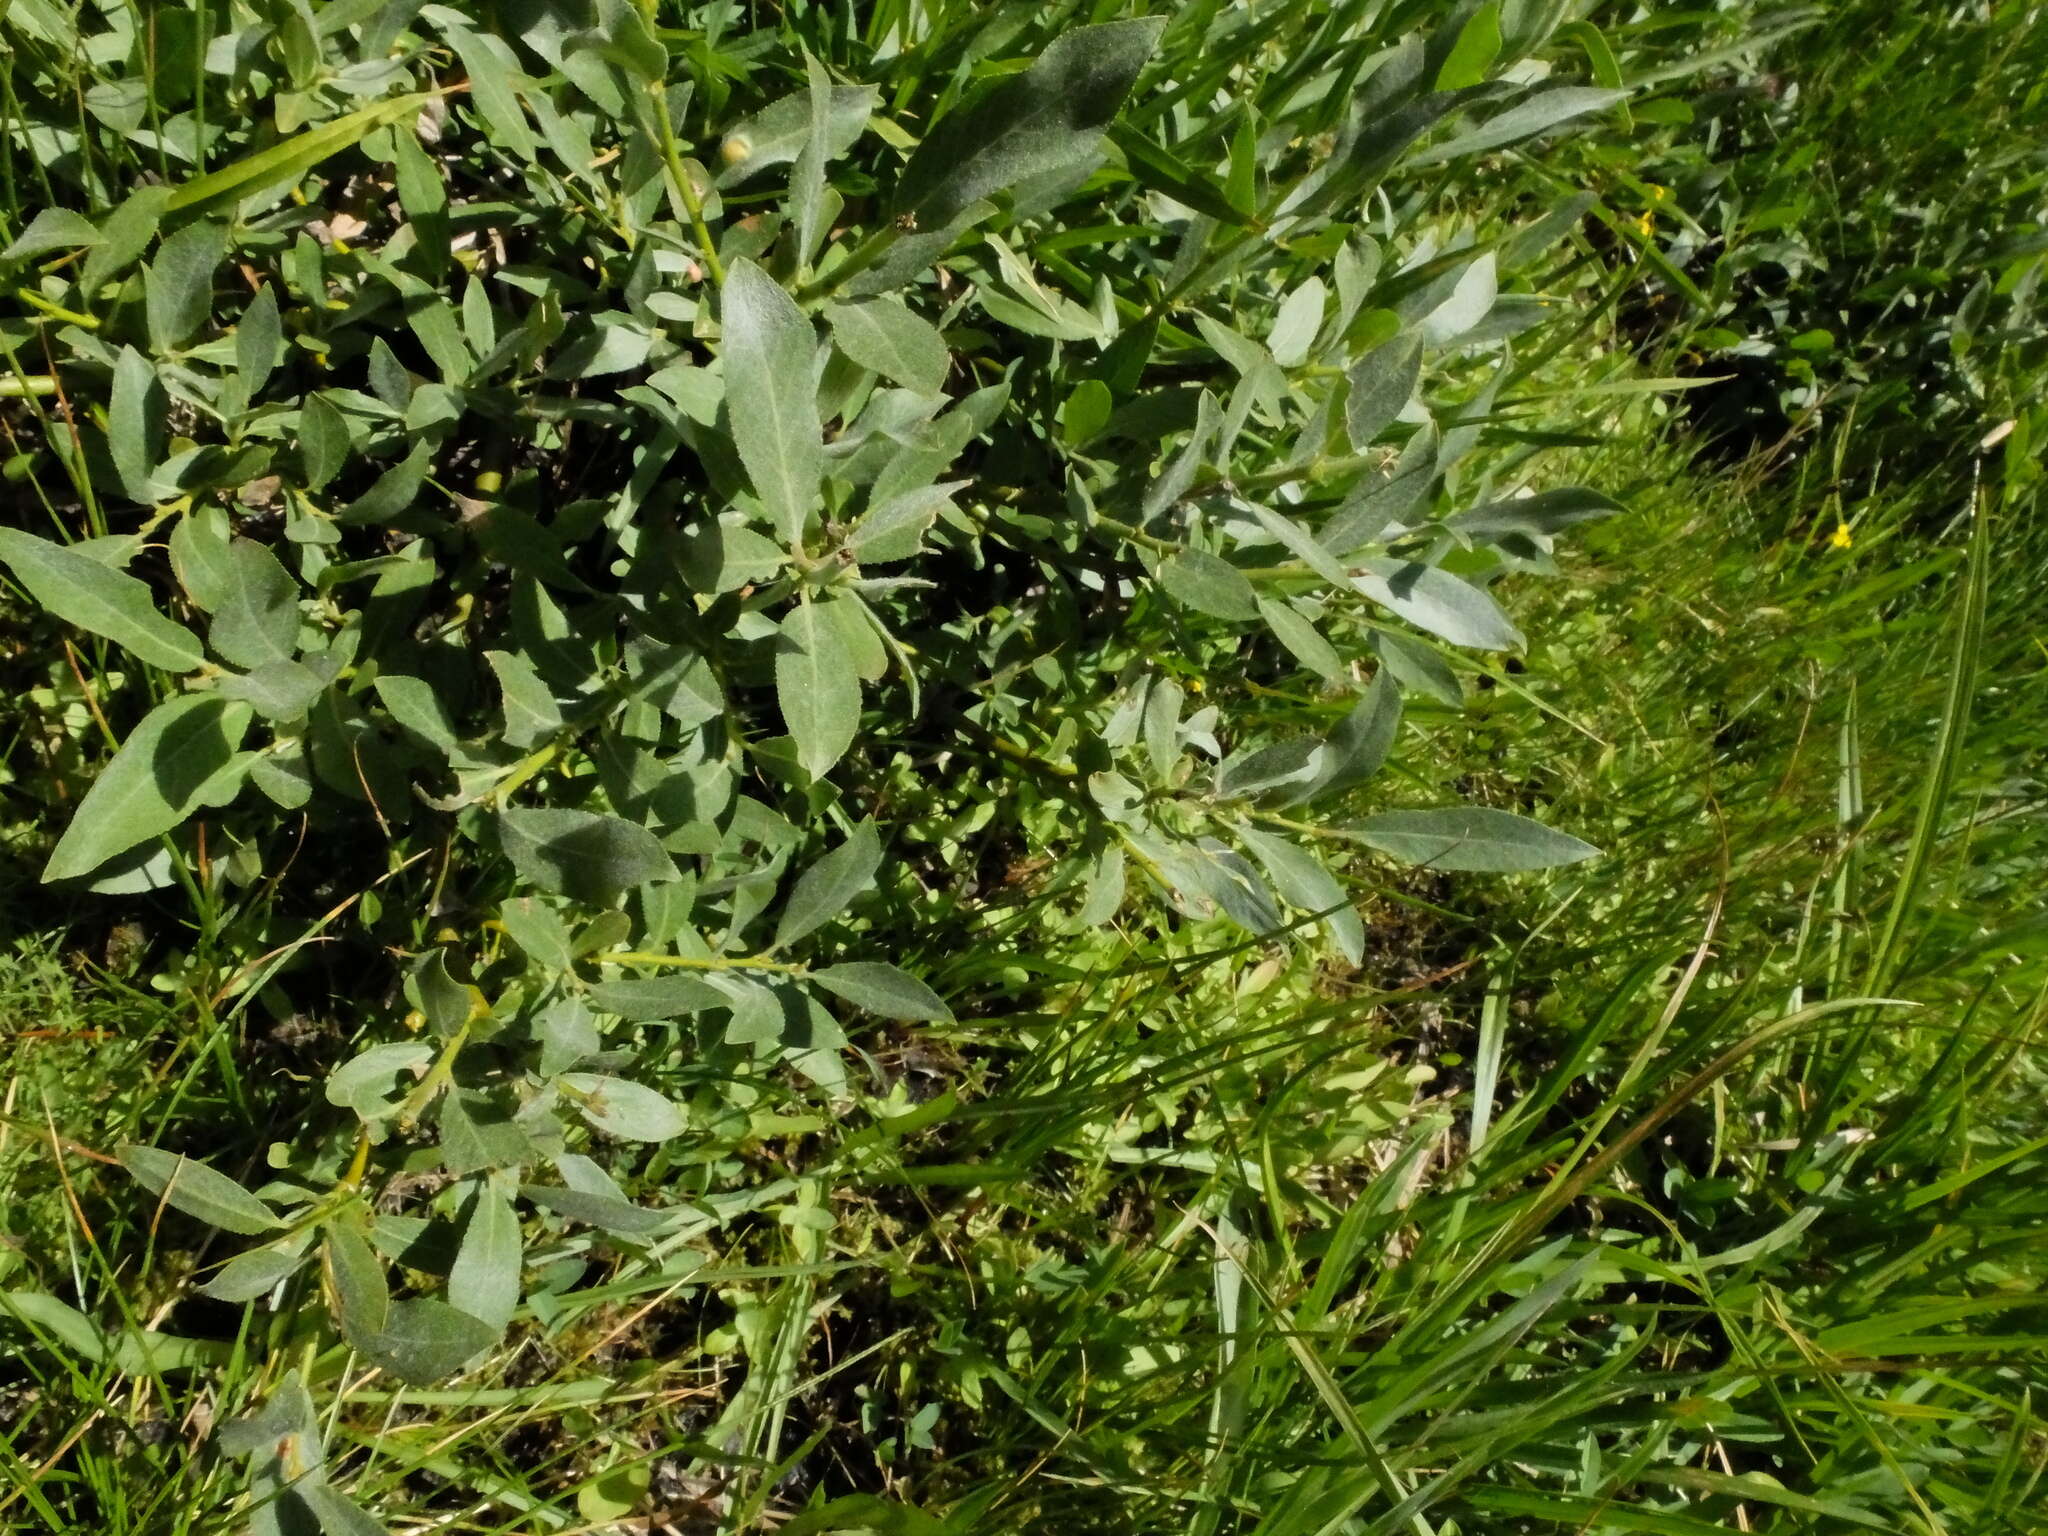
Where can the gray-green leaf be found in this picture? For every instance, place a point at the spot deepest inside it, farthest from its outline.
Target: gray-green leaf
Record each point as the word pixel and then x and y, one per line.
pixel 882 988
pixel 1209 585
pixel 657 997
pixel 1544 110
pixel 423 1340
pixel 1047 120
pixel 770 351
pixel 1470 837
pixel 278 690
pixel 180 757
pixel 829 886
pixel 484 1281
pixel 1435 600
pixel 778 132
pixel 1382 383
pixel 355 1275
pixel 1303 882
pixel 178 285
pixel 540 931
pixel 883 335
pixel 323 441
pixel 53 229
pixel 1262 770
pixel 895 529
pixel 818 688
pixel 1359 743
pixel 608 1213
pixel 621 1108
pixel 531 713
pixel 82 591
pixel 135 424
pixel 257 339
pixel 1302 638
pixel 369 1081
pixel 1303 545
pixel 591 857
pixel 256 617
pixel 197 1190
pixel 254 1273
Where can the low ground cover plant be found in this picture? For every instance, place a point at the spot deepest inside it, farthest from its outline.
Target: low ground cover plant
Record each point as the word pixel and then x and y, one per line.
pixel 741 707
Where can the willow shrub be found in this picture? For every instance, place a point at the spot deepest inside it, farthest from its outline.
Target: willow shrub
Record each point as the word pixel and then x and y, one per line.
pixel 579 484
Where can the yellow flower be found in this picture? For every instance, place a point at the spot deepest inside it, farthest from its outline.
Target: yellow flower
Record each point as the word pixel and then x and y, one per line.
pixel 1840 537
pixel 1647 224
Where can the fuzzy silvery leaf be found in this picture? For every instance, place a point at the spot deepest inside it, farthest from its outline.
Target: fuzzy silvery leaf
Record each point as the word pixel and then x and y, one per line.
pixel 1469 837
pixel 828 887
pixel 622 1108
pixel 770 351
pixel 817 686
pixel 197 1190
pixel 1440 603
pixel 1048 120
pixel 883 989
pixel 592 857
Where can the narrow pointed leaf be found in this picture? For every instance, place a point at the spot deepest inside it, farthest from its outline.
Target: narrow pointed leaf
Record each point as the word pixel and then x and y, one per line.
pixel 1469 837
pixel 817 685
pixel 770 351
pixel 484 1281
pixel 828 887
pixel 197 1190
pixel 1049 119
pixel 170 765
pixel 883 335
pixel 882 988
pixel 82 591
pixel 592 857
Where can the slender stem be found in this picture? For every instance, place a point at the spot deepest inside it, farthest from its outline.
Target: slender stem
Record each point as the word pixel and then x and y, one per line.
pixel 520 772
pixel 439 1075
pixel 1138 535
pixel 358 1163
pixel 1331 468
pixel 672 158
pixel 1283 572
pixel 72 316
pixel 1303 828
pixel 1010 749
pixel 692 963
pixel 865 255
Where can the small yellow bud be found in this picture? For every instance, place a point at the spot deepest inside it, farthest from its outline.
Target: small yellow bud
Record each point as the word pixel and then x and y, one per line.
pixel 1840 537
pixel 735 149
